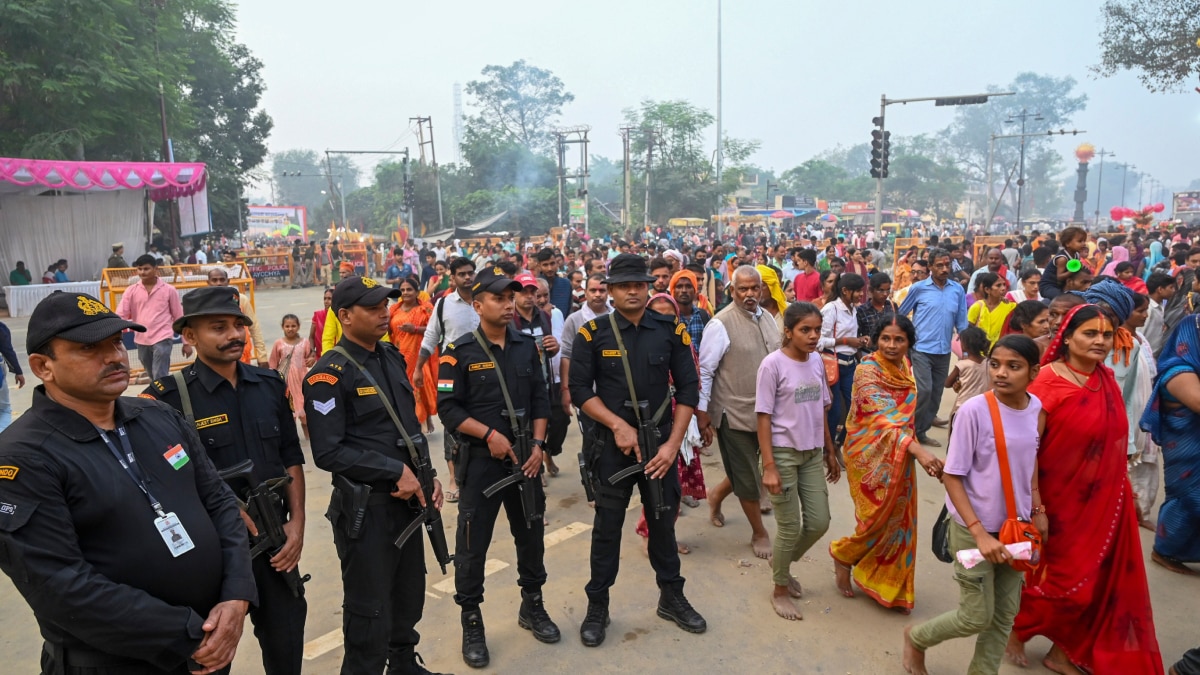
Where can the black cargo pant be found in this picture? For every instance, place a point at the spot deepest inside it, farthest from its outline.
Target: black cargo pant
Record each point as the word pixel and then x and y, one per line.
pixel 477 516
pixel 383 588
pixel 610 517
pixel 278 620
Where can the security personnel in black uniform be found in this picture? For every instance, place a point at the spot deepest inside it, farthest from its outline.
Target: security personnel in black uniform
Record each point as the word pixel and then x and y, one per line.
pixel 659 352
pixel 471 401
pixel 114 525
pixel 241 412
pixel 354 437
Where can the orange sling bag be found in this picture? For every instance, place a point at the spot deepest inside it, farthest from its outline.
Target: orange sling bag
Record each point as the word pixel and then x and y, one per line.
pixel 1015 529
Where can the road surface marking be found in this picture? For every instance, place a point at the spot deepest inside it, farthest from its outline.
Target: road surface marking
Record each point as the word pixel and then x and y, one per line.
pixel 332 640
pixel 326 643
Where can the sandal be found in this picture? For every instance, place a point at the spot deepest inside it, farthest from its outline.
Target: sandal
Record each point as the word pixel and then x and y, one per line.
pixel 452 496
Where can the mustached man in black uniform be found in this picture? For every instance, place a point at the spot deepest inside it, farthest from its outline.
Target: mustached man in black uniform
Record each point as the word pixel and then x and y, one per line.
pixel 473 374
pixel 114 525
pixel 354 437
pixel 241 412
pixel 658 352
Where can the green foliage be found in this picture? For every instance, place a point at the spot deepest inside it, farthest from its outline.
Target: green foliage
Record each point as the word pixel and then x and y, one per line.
pixel 820 178
pixel 518 103
pixel 1154 38
pixel 80 81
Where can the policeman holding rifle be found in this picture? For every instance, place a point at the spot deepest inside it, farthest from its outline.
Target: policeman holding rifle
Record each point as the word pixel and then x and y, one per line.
pixel 622 367
pixel 241 413
pixel 364 429
pixel 492 391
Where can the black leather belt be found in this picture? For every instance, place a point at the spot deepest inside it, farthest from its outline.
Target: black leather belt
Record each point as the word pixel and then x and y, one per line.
pixel 86 658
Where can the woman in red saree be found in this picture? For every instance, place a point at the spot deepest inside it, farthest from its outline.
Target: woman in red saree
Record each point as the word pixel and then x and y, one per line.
pixel 1090 595
pixel 880 445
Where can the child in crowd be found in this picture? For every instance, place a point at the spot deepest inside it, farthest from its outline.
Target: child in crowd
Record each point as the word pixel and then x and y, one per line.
pixel 792 400
pixel 969 377
pixel 990 592
pixel 1074 243
pixel 292 356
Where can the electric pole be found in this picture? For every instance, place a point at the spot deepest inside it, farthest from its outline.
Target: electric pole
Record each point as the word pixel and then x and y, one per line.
pixel 650 134
pixel 626 213
pixel 422 124
pixel 1100 180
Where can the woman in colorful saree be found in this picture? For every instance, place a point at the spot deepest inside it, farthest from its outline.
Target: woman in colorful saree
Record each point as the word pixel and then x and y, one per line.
pixel 1090 595
pixel 1173 420
pixel 880 446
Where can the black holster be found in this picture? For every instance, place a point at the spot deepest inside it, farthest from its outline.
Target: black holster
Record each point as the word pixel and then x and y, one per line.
pixel 351 499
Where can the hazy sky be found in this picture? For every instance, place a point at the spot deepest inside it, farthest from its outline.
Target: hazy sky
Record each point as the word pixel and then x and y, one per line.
pixel 798 76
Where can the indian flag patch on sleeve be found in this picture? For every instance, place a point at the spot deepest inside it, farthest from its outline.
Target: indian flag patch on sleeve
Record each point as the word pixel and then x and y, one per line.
pixel 177 457
pixel 445 385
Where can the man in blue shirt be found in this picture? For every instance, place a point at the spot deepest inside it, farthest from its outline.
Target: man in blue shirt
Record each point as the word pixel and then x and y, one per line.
pixel 60 276
pixel 938 307
pixel 560 288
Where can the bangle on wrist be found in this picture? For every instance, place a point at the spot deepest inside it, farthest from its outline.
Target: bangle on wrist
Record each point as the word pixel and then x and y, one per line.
pixel 973 524
pixel 488 436
pixel 1040 509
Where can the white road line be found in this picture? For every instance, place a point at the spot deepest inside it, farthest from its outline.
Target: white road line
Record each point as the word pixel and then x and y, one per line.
pixel 490 567
pixel 332 640
pixel 320 646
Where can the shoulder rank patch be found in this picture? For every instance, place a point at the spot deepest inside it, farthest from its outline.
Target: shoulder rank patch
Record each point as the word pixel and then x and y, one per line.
pixel 486 365
pixel 213 421
pixel 367 391
pixel 335 366
pixel 450 346
pixel 322 377
pixel 324 407
pixel 584 332
pixel 592 324
pixel 613 353
pixel 9 472
pixel 159 385
pixel 149 396
pixel 448 360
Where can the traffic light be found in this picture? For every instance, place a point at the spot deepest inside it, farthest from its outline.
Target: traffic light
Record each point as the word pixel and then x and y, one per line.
pixel 410 195
pixel 881 145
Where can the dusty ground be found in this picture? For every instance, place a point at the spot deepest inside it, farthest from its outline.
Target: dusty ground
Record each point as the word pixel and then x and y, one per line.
pixel 726 583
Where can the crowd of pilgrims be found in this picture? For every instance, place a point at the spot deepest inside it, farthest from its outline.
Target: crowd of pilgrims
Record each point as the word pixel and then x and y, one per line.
pixel 1080 354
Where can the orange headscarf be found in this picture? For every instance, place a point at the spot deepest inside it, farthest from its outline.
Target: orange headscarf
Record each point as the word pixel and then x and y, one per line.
pixel 701 299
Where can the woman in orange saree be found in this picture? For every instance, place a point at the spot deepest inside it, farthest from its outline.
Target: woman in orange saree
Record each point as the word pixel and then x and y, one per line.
pixel 880 445
pixel 406 326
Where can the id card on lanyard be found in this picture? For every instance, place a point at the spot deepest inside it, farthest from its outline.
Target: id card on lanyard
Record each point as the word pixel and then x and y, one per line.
pixel 173 534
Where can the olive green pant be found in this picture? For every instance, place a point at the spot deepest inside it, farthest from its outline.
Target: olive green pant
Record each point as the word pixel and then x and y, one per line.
pixel 989 597
pixel 802 475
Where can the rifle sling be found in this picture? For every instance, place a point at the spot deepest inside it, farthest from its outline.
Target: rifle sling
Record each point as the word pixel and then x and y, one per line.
pixel 387 404
pixel 185 397
pixel 512 412
pixel 633 399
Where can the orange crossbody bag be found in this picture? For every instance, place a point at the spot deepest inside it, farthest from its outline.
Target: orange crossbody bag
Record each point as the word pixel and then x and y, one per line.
pixel 1015 529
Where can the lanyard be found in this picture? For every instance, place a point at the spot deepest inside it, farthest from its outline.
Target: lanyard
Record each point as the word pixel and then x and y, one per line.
pixel 129 463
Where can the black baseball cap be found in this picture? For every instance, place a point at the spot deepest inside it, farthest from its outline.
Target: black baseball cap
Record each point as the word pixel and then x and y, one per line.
pixel 363 291
pixel 77 317
pixel 211 301
pixel 628 267
pixel 493 280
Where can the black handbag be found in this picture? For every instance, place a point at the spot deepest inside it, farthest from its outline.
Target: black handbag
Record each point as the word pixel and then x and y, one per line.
pixel 941 537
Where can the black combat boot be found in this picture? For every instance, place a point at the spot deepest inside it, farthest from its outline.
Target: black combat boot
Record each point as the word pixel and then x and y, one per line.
pixel 474 643
pixel 591 631
pixel 674 607
pixel 418 666
pixel 533 617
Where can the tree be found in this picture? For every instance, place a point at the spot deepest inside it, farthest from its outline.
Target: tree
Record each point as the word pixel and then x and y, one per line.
pixel 82 83
pixel 820 178
pixel 966 140
pixel 517 103
pixel 1157 39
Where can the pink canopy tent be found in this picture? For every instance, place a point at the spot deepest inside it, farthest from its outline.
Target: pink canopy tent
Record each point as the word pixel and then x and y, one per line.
pixel 52 209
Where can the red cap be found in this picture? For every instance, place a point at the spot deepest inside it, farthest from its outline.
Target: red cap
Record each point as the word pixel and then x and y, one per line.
pixel 526 279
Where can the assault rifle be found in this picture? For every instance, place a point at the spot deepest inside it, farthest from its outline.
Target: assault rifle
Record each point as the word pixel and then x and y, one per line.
pixel 429 517
pixel 647 434
pixel 263 504
pixel 522 448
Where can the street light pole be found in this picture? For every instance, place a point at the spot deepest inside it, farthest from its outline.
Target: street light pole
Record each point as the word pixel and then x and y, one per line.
pixel 1024 115
pixel 884 102
pixel 1100 180
pixel 1125 174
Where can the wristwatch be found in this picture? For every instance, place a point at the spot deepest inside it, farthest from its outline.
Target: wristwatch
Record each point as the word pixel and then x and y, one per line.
pixel 538 442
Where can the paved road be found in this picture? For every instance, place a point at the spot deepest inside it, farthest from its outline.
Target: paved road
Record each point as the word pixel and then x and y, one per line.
pixel 725 582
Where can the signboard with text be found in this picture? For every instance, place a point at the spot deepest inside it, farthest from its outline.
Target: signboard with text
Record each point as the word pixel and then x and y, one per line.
pixel 1186 205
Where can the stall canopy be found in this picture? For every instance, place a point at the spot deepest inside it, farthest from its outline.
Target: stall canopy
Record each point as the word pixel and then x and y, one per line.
pixel 53 209
pixel 780 213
